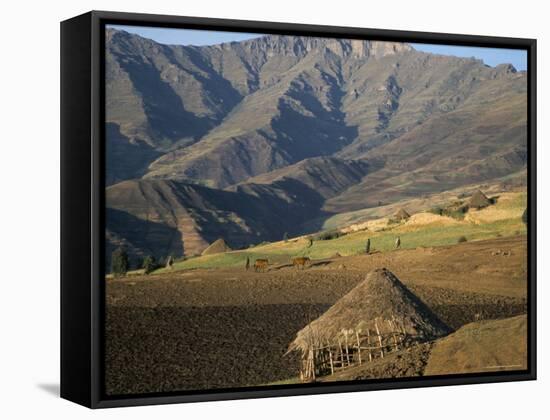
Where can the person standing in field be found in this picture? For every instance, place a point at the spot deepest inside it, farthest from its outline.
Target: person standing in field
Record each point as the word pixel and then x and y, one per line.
pixel 247 264
pixel 367 247
pixel 398 243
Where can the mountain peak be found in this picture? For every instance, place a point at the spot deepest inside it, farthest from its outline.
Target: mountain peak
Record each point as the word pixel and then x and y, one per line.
pixel 301 45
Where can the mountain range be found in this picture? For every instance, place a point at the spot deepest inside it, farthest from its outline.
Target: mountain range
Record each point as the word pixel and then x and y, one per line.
pixel 250 140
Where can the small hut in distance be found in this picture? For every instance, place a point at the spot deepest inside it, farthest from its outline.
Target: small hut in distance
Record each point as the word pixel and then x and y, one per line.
pixel 478 200
pixel 401 215
pixel 217 247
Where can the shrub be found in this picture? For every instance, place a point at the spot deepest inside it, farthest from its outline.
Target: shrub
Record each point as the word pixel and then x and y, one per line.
pixel 328 235
pixel 456 210
pixel 462 239
pixel 436 210
pixel 149 264
pixel 456 213
pixel 119 262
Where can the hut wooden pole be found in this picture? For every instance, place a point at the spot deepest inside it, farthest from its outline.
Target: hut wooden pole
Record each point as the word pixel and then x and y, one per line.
pixel 368 344
pixel 341 352
pixel 358 346
pixel 392 329
pixel 379 339
pixel 330 359
pixel 313 365
pixel 347 347
pixel 403 333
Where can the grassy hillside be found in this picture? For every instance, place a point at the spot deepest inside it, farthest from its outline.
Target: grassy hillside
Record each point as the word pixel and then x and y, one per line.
pixel 421 230
pixel 485 346
pixel 421 203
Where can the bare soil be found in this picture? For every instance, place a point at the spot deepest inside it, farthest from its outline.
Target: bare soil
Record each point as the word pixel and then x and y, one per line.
pixel 200 329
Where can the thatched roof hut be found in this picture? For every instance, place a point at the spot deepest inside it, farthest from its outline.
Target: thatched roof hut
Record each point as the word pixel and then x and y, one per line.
pixel 479 200
pixel 379 303
pixel 401 215
pixel 216 247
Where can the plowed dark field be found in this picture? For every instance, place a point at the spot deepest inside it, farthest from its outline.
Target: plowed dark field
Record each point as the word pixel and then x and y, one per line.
pixel 200 329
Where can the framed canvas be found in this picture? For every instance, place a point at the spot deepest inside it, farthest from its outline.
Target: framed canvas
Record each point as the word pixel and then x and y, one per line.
pixel 255 209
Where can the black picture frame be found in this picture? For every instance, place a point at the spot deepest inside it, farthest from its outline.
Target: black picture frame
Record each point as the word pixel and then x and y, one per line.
pixel 83 219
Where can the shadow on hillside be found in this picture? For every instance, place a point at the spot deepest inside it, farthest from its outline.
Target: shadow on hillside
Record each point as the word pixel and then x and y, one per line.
pixel 152 238
pixel 125 160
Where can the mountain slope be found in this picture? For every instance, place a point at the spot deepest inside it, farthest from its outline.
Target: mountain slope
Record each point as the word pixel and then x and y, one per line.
pixel 163 218
pixel 483 140
pixel 329 176
pixel 248 140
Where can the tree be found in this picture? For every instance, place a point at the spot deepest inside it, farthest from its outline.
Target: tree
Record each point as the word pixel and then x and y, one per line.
pixel 139 261
pixel 149 264
pixel 119 262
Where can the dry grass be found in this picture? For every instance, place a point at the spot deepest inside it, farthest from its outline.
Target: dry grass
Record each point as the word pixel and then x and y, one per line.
pixel 486 346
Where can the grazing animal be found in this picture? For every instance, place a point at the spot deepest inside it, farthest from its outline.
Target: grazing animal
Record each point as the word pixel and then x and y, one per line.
pixel 301 262
pixel 260 264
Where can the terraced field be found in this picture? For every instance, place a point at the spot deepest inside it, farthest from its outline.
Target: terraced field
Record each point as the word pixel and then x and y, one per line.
pixel 422 230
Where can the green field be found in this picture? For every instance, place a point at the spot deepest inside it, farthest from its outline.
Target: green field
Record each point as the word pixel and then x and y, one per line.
pixel 506 212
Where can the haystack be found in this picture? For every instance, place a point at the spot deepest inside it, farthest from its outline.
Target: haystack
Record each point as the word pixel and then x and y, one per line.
pixel 479 200
pixel 216 247
pixel 380 304
pixel 401 215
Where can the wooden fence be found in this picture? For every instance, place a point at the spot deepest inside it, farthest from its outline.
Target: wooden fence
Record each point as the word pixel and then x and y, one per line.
pixel 353 347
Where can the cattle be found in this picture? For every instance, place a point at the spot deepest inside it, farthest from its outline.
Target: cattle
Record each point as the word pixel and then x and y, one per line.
pixel 261 265
pixel 301 262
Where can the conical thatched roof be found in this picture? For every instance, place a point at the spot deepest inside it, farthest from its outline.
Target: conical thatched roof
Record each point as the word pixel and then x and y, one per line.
pixel 378 301
pixel 479 200
pixel 401 214
pixel 216 247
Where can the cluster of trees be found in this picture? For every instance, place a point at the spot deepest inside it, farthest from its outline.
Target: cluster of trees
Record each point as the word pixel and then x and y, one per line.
pixel 328 235
pixel 120 263
pixel 455 210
